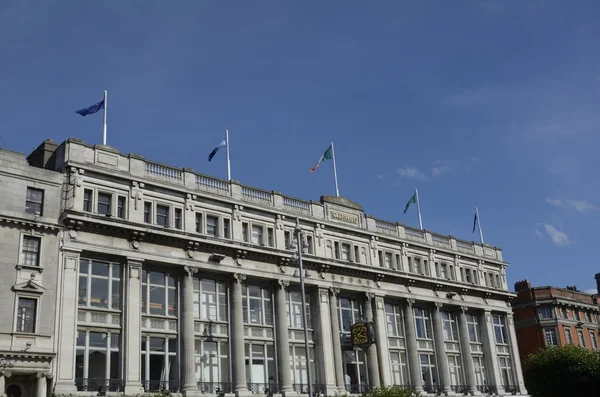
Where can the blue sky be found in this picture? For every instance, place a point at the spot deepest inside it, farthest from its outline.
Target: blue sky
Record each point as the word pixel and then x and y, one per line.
pixel 485 103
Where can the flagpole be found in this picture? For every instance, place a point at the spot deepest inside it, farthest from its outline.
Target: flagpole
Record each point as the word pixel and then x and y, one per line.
pixel 479 224
pixel 228 162
pixel 419 209
pixel 104 131
pixel 337 190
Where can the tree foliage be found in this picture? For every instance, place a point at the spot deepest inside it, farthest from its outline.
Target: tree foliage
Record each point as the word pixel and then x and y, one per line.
pixel 392 391
pixel 563 372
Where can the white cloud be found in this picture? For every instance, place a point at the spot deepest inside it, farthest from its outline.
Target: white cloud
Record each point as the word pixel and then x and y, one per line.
pixel 558 237
pixel 441 166
pixel 582 206
pixel 411 173
pixel 591 291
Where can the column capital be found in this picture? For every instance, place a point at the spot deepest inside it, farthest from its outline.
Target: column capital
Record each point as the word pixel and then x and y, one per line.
pixel 438 305
pixel 40 375
pixel 134 261
pixel 283 284
pixel 370 296
pixel 464 309
pixel 239 277
pixel 410 301
pixel 190 270
pixel 334 291
pixel 6 374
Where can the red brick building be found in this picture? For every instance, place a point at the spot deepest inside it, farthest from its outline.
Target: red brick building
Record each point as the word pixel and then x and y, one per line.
pixel 546 316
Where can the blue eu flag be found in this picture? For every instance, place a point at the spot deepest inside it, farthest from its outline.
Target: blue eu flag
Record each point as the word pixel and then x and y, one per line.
pixel 91 109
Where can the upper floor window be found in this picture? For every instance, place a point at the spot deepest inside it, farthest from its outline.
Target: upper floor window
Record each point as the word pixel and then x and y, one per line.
pixel 593 340
pixel 30 254
pixel 257 234
pixel 34 202
pixel 26 315
pixel 159 293
pixel 546 311
pixel 294 309
pixel 178 216
pixel 147 212
pixel 393 317
pixel 104 203
pixel 212 225
pixel 473 328
pixel 550 336
pixel 580 338
pixel 443 270
pixel 121 202
pixel 422 323
pixel 162 215
pixel 257 305
pixel 99 284
pixel 500 329
pixel 563 311
pixel 87 200
pixel 568 337
pixel 449 326
pixel 350 313
pixel 345 251
pixel 210 300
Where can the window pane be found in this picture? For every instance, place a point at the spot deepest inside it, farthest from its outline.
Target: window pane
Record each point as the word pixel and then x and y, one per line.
pixel 97 340
pixel 100 269
pixel 26 315
pixel 99 292
pixel 157 300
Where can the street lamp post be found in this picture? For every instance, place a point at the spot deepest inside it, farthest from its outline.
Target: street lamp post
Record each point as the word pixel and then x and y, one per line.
pixel 299 244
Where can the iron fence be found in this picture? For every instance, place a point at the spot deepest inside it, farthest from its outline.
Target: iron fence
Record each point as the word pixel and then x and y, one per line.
pixel 101 386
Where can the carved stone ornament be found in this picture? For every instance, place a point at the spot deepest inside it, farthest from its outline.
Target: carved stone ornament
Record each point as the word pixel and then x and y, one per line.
pixel 190 270
pixel 334 291
pixel 283 283
pixel 410 301
pixel 464 309
pixel 73 234
pixel 238 277
pixel 135 244
pixel 370 296
pixel 6 374
pixel 438 305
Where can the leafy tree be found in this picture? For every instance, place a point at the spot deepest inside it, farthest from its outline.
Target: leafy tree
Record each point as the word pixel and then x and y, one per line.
pixel 563 372
pixel 392 391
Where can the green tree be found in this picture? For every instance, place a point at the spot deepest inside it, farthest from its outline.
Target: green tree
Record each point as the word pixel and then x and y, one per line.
pixel 563 372
pixel 392 391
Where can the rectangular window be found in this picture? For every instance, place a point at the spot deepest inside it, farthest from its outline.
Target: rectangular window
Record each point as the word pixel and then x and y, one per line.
pixel 198 222
pixel 336 247
pixel 162 215
pixel 449 326
pixel 100 353
pixel 356 254
pixel 26 315
pixel 563 311
pixel 546 312
pixel 479 367
pixel 30 255
pixel 580 338
pixel 345 252
pixel 388 260
pixel 226 228
pixel 350 312
pixel 212 364
pixel 121 207
pixel 34 202
pixel 593 340
pixel 294 309
pixel 444 271
pixel 212 225
pixel 287 236
pixel 257 305
pixel 500 329
pixel 87 200
pixel 178 216
pixel 468 276
pixel 473 328
pixel 311 244
pixel 159 293
pixel 210 300
pixel 257 234
pixel 398 262
pixel 422 323
pixel 245 236
pixel 147 212
pixel 104 204
pixel 393 316
pixel 270 237
pixel 99 284
pixel 380 257
pixel 568 337
pixel 550 336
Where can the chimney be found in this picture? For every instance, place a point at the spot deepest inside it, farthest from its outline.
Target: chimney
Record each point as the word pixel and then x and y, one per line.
pixel 597 277
pixel 522 285
pixel 44 156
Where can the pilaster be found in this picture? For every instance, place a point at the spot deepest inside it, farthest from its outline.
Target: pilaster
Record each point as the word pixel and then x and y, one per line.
pixel 283 340
pixel 133 327
pixel 465 346
pixel 335 337
pixel 67 320
pixel 411 347
pixel 323 343
pixel 383 350
pixel 514 353
pixel 490 352
pixel 440 349
pixel 190 387
pixel 373 360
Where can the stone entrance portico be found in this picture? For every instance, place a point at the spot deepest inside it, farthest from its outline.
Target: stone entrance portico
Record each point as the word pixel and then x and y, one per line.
pixel 29 375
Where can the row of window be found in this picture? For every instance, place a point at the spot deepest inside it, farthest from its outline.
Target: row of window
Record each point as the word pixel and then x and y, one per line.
pixel 547 312
pixel 550 334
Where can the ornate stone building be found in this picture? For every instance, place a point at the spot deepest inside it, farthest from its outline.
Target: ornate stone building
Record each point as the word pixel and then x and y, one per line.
pixel 172 279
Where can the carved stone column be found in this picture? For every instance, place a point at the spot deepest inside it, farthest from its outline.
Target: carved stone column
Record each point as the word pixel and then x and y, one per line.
pixel 383 350
pixel 373 360
pixel 490 353
pixel 283 340
pixel 3 376
pixel 133 327
pixel 323 342
pixel 514 352
pixel 67 322
pixel 440 349
pixel 412 352
pixel 465 346
pixel 42 384
pixel 236 335
pixel 335 337
pixel 188 342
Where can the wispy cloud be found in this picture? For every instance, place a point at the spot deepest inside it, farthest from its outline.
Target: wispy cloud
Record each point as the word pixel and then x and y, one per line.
pixel 557 236
pixel 582 206
pixel 441 166
pixel 412 173
pixel 591 291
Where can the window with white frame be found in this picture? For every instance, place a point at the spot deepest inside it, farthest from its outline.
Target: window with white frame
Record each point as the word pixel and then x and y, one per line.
pixel 580 338
pixel 198 222
pixel 212 363
pixel 506 372
pixel 159 363
pixel 178 218
pixel 298 364
pixel 121 207
pixel 568 336
pixel 393 317
pixel 550 336
pixel 294 309
pixel 422 323
pixel 345 251
pixel 26 314
pixel 212 225
pixel 87 200
pixel 97 359
pixel 473 328
pixel 398 368
pixel 104 204
pixel 443 273
pixel 30 251
pixel 350 313
pixel 257 234
pixel 257 305
pixel 479 367
pixel 147 212
pixel 226 228
pixel 99 284
pixel 162 215
pixel 159 293
pixel 210 299
pixel 546 311
pixel 260 365
pixel 593 340
pixel 500 329
pixel 427 363
pixel 455 370
pixel 34 201
pixel 449 326
pixel 388 260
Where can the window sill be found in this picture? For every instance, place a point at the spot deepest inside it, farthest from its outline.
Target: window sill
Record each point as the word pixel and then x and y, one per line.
pixel 29 267
pixel 99 309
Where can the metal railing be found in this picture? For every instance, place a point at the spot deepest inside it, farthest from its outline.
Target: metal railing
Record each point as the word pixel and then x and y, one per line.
pixel 302 388
pixel 433 389
pixel 358 388
pixel 215 387
pixel 99 385
pixel 486 389
pixel 264 388
pixel 512 389
pixel 462 389
pixel 161 385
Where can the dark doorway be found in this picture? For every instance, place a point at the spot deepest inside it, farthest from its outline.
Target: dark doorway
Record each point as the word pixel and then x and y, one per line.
pixel 14 391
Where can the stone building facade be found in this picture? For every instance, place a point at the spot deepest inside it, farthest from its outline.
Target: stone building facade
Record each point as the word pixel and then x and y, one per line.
pixel 173 279
pixel 553 316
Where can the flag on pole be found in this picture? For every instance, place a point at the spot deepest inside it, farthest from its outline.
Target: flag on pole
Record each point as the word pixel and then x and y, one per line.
pixel 326 156
pixel 413 200
pixel 212 154
pixel 91 109
pixel 475 219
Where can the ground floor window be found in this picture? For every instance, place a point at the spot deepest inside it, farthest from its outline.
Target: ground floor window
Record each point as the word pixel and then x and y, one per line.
pixel 398 366
pixel 212 362
pixel 159 363
pixel 478 366
pixel 355 371
pixel 260 366
pixel 455 370
pixel 428 371
pixel 506 371
pixel 298 365
pixel 97 360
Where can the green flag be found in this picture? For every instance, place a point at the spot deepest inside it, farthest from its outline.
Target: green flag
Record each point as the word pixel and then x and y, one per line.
pixel 413 199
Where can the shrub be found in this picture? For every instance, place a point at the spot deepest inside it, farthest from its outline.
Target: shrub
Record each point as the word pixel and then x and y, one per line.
pixel 392 391
pixel 562 372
